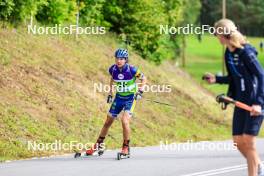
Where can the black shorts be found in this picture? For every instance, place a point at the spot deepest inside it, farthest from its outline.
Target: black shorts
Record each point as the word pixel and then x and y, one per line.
pixel 243 123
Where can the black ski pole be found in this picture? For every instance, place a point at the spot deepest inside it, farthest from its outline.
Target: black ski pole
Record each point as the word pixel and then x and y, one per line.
pixel 158 102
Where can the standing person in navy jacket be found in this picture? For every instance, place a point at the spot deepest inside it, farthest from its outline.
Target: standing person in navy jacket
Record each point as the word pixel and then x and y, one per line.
pixel 246 84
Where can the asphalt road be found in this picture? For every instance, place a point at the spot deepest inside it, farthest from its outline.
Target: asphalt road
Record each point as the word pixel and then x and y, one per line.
pixel 147 161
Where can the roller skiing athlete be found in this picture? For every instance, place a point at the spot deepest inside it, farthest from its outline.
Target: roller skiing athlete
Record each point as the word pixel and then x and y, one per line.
pixel 124 76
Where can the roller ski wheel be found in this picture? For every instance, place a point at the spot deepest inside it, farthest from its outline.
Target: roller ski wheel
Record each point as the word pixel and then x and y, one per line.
pixel 124 154
pixel 77 155
pixel 86 154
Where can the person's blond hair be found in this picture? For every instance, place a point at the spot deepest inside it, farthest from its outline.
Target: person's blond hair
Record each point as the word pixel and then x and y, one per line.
pixel 236 39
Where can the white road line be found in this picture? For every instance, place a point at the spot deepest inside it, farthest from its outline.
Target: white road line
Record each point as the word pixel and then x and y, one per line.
pixel 225 171
pixel 219 171
pixel 216 170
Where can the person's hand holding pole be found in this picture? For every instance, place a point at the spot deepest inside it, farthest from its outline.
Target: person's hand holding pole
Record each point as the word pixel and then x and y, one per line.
pixel 256 110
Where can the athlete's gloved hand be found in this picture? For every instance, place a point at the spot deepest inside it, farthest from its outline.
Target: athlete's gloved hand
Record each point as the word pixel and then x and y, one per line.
pixel 138 95
pixel 109 99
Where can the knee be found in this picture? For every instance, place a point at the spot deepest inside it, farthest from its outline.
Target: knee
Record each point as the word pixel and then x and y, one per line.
pixel 249 145
pixel 109 116
pixel 125 121
pixel 239 143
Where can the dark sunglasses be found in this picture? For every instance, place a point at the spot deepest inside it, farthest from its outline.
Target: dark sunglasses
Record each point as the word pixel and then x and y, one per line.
pixel 120 58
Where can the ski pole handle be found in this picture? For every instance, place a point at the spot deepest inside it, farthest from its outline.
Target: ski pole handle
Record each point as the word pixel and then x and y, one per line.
pixel 246 107
pixel 224 99
pixel 243 106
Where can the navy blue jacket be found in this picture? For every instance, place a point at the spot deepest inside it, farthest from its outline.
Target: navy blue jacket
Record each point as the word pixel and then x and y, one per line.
pixel 245 76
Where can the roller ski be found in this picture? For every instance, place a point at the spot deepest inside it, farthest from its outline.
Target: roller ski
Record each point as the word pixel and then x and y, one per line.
pixel 96 150
pixel 88 153
pixel 125 153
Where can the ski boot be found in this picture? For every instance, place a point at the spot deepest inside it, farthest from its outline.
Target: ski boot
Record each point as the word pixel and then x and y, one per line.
pixel 96 150
pixel 125 152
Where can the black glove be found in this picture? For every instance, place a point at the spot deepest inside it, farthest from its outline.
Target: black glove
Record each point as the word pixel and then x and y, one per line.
pixel 109 99
pixel 138 95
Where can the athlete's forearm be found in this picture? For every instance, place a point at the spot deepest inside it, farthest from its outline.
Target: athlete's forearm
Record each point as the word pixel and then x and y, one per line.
pixel 142 83
pixel 222 79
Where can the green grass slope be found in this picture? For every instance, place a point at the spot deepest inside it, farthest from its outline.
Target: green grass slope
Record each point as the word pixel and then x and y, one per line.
pixel 46 94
